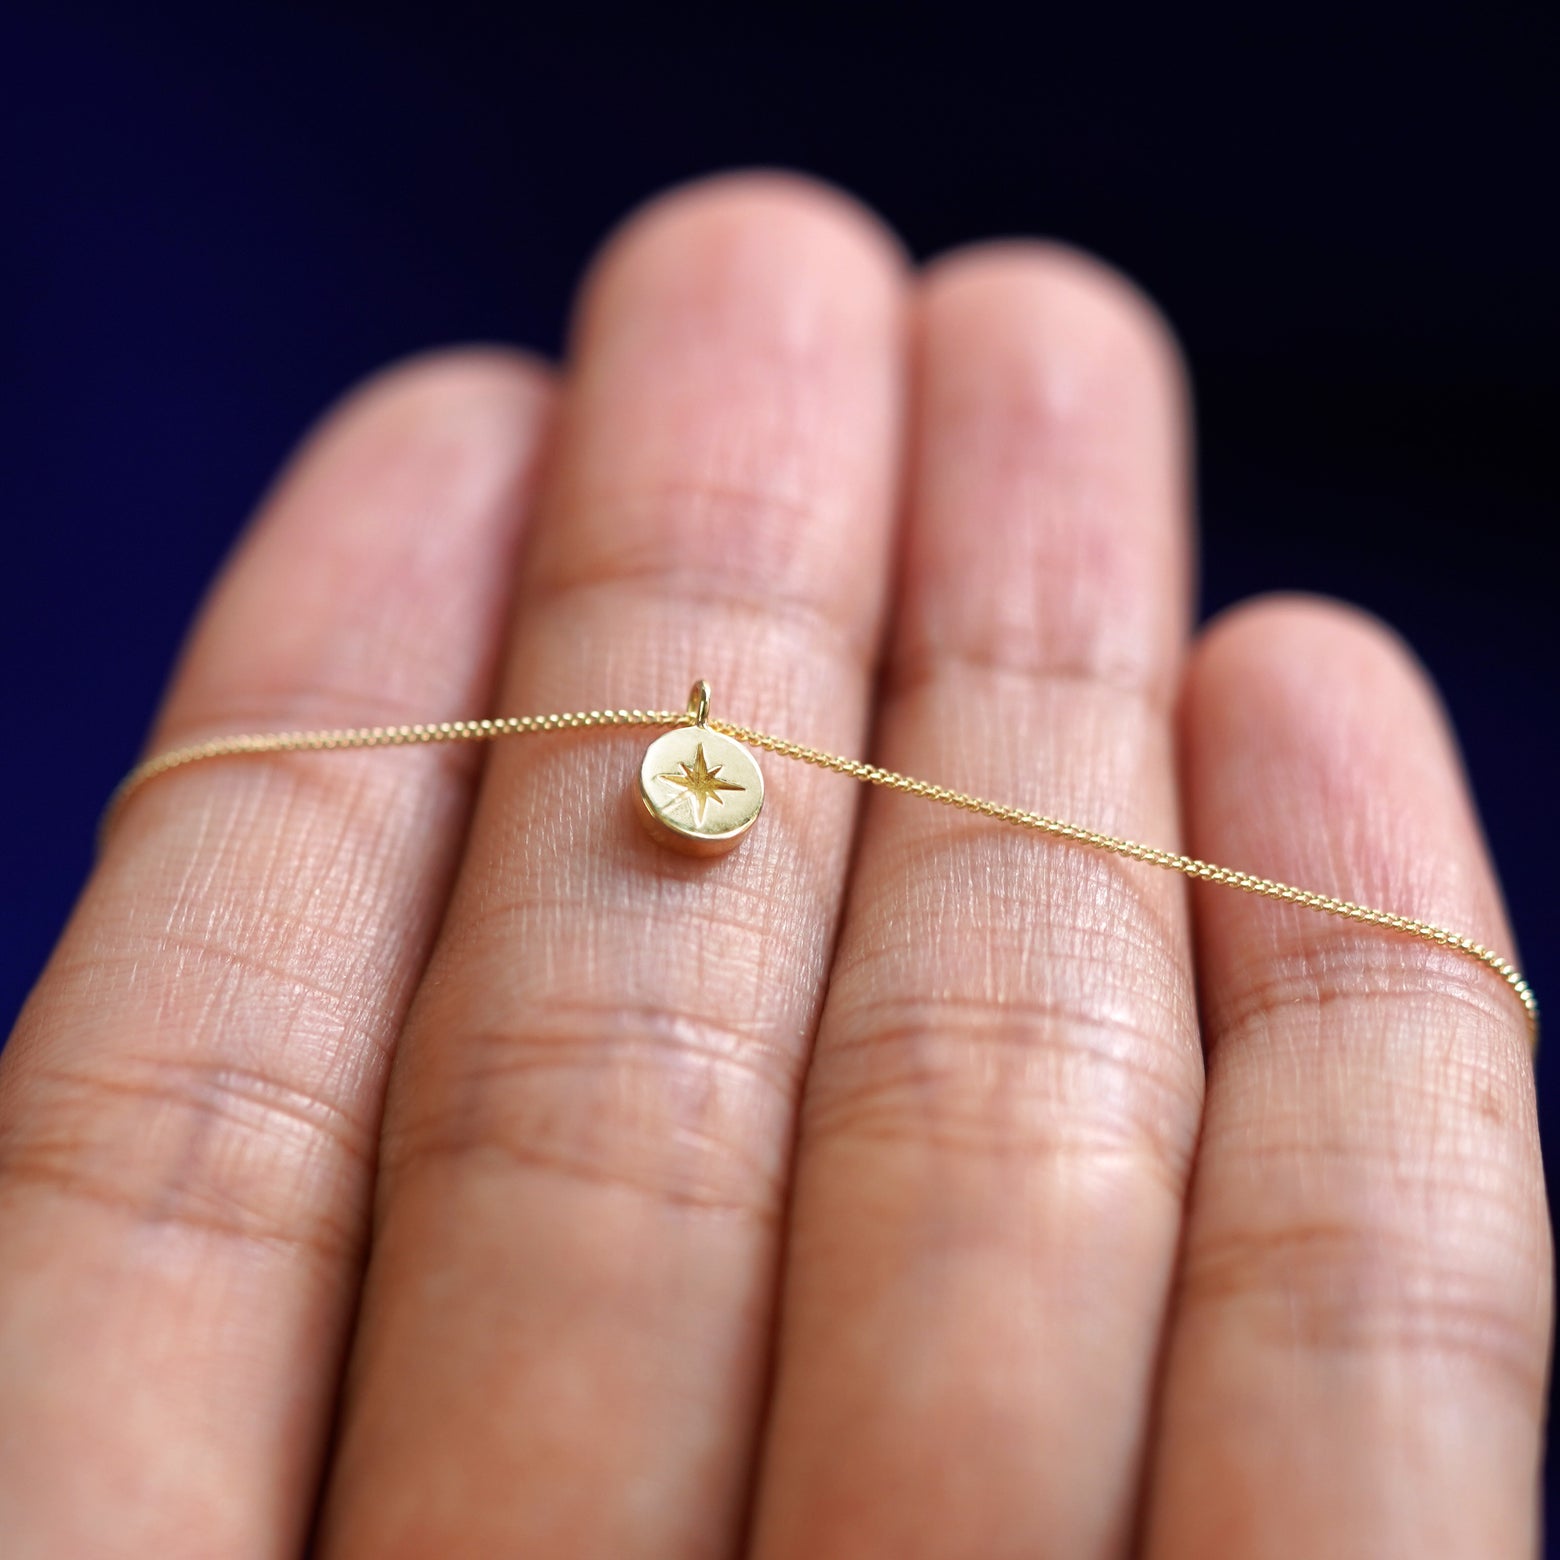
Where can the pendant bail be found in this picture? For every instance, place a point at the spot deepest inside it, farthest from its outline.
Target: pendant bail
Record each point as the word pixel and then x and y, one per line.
pixel 699 703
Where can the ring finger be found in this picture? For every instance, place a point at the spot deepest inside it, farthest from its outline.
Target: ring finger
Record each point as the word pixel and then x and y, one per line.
pixel 1002 1107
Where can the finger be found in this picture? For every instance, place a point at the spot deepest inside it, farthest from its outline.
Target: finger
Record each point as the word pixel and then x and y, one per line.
pixel 1357 1364
pixel 189 1106
pixel 1004 1097
pixel 586 1152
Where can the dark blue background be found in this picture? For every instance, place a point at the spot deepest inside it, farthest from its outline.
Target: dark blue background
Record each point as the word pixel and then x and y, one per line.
pixel 212 218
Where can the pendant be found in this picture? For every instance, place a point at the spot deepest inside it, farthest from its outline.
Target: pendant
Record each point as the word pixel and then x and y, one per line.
pixel 701 791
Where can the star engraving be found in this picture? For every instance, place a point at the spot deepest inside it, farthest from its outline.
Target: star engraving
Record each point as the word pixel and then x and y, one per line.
pixel 701 784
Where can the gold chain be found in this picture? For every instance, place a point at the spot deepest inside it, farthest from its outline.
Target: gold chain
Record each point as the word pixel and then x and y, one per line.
pixel 522 725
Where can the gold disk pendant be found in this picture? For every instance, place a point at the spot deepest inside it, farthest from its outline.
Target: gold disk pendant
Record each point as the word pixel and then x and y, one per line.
pixel 701 791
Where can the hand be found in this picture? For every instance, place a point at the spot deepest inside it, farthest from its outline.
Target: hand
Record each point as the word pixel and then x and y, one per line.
pixel 899 1185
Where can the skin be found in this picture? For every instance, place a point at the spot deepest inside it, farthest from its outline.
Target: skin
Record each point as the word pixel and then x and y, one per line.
pixel 402 1148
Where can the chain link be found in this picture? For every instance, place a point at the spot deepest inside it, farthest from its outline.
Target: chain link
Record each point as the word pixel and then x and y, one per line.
pixel 522 725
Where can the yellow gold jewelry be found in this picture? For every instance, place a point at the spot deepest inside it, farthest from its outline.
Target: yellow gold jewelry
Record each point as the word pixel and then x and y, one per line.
pixel 700 791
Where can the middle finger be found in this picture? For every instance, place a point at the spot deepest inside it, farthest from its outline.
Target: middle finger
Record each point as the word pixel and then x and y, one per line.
pixel 587 1141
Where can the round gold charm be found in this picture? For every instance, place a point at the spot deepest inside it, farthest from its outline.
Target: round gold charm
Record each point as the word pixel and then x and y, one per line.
pixel 701 791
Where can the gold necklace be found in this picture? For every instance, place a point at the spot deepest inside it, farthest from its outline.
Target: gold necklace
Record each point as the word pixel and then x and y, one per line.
pixel 701 790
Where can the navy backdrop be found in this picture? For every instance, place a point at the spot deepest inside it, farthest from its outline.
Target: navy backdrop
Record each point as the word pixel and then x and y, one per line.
pixel 213 218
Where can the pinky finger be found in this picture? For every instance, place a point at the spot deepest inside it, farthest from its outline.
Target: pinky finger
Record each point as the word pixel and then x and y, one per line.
pixel 1359 1345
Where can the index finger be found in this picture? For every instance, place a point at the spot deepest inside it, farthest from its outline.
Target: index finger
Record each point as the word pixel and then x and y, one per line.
pixel 189 1107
